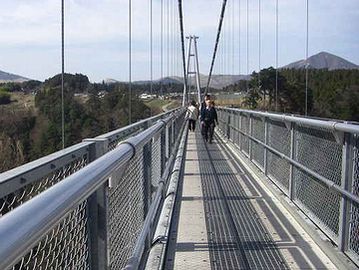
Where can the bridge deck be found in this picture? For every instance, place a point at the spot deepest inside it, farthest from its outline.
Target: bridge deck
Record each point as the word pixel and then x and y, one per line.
pixel 226 220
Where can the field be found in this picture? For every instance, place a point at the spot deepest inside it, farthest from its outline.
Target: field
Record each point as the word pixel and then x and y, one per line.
pixel 159 105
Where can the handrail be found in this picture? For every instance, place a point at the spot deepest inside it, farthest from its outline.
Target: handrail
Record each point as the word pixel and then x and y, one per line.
pixel 24 226
pixel 330 125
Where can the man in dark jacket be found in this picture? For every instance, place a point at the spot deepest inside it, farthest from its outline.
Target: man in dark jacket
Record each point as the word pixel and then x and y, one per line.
pixel 208 120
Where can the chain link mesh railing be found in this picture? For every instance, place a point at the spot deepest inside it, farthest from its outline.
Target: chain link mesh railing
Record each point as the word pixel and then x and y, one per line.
pixel 279 139
pixel 354 210
pixel 304 157
pixel 66 246
pixel 258 133
pixel 245 129
pixel 126 212
pixel 318 150
pixel 43 177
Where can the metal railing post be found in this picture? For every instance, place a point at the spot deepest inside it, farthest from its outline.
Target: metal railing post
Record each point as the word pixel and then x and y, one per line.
pixel 251 134
pixel 240 134
pixel 173 132
pixel 168 143
pixel 265 161
pixel 163 151
pixel 97 213
pixel 346 183
pixel 147 184
pixel 228 123
pixel 291 191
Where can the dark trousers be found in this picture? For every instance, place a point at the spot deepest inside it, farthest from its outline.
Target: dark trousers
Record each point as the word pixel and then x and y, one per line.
pixel 207 131
pixel 192 124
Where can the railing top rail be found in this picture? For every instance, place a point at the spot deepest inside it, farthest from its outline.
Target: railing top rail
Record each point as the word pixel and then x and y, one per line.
pixel 48 161
pixel 25 225
pixel 329 124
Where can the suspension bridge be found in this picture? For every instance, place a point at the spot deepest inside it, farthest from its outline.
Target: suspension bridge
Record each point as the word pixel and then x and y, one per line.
pixel 274 191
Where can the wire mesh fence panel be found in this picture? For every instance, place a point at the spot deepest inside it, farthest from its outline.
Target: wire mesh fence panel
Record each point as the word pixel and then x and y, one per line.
pixel 257 149
pixel 125 212
pixel 66 246
pixel 317 150
pixel 245 129
pixel 354 211
pixel 236 132
pixel 318 202
pixel 279 139
pixel 25 193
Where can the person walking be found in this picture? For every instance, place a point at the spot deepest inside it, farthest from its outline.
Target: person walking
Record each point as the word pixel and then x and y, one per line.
pixel 208 120
pixel 192 115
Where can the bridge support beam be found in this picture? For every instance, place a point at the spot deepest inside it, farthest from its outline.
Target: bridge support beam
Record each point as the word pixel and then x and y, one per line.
pixel 346 184
pixel 97 205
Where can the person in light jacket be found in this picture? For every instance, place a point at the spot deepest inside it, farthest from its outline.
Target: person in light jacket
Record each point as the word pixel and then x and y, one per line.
pixel 192 115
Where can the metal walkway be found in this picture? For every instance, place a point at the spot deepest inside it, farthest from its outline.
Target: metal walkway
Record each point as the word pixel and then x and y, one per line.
pixel 226 220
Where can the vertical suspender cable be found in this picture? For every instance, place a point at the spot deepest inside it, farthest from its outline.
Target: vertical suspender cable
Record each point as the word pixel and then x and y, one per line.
pixel 129 61
pixel 168 37
pixel 182 42
pixel 62 71
pixel 151 49
pixel 161 81
pixel 239 37
pixel 259 45
pixel 216 44
pixel 233 36
pixel 276 56
pixel 306 58
pixel 247 40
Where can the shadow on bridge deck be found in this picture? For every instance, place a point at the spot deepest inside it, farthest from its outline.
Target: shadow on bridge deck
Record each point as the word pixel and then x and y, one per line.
pixel 226 220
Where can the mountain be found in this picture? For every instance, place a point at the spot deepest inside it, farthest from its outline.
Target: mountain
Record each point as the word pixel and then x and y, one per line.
pixel 217 81
pixel 8 77
pixel 323 60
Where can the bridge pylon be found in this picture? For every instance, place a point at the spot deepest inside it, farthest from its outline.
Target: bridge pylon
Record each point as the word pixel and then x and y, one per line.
pixel 192 52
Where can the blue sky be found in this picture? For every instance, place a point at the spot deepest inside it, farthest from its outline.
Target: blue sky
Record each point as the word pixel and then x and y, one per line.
pixel 97 35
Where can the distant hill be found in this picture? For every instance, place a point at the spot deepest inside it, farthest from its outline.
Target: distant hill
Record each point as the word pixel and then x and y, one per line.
pixel 217 81
pixel 8 77
pixel 323 60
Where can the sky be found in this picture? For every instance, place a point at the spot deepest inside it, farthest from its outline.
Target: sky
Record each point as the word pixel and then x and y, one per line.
pixel 97 34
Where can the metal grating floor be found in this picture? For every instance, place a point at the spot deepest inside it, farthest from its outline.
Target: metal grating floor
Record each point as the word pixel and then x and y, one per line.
pixel 225 220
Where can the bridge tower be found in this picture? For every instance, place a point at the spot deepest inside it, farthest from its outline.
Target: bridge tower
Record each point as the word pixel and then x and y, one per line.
pixel 192 52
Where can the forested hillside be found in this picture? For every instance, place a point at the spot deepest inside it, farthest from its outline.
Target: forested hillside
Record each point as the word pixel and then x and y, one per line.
pixel 29 133
pixel 331 94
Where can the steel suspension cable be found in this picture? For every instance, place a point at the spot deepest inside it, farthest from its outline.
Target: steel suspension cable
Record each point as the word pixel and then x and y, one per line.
pixel 233 36
pixel 168 36
pixel 306 58
pixel 247 40
pixel 151 50
pixel 216 44
pixel 259 47
pixel 239 37
pixel 161 80
pixel 276 56
pixel 62 72
pixel 130 61
pixel 180 12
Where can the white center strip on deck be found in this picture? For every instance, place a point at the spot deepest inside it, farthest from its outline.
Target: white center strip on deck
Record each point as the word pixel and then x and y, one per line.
pixel 192 244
